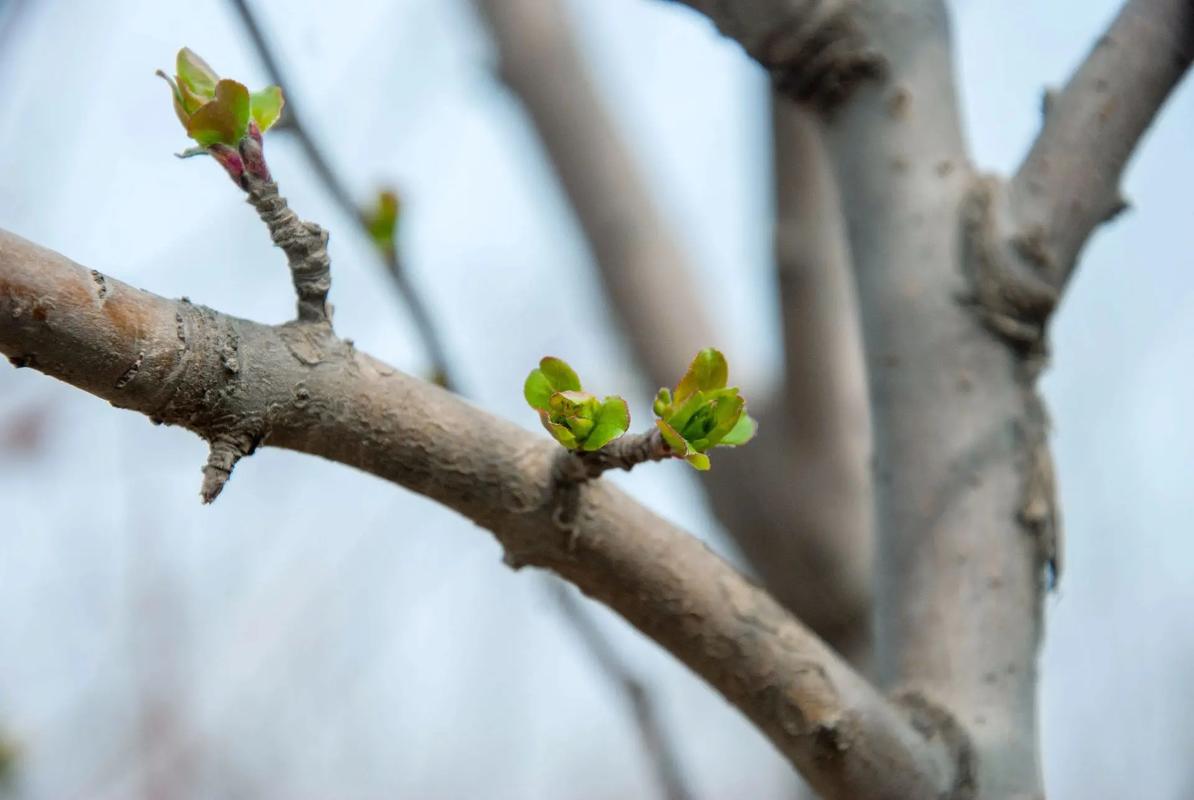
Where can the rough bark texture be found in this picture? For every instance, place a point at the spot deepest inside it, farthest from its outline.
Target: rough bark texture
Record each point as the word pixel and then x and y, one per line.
pixel 298 387
pixel 758 493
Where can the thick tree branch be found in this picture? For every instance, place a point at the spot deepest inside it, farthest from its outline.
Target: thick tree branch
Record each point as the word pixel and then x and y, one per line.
pixel 824 388
pixel 294 122
pixel 650 281
pixel 1069 182
pixel 964 514
pixel 307 391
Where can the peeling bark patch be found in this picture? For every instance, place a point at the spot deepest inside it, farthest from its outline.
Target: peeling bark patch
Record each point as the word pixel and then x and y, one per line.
pixel 101 285
pixel 131 372
pixel 1039 513
pixel 229 351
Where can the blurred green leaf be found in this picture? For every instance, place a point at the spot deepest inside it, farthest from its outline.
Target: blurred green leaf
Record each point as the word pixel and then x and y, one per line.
pixel 381 220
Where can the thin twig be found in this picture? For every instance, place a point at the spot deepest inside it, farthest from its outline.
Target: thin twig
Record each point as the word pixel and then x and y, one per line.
pixel 293 121
pixel 654 738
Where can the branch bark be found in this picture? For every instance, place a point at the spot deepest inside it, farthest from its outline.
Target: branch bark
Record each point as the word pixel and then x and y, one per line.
pixel 812 570
pixel 1069 182
pixel 311 392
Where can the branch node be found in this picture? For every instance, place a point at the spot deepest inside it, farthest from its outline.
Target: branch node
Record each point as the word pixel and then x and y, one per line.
pixel 625 452
pixel 816 56
pixel 1007 273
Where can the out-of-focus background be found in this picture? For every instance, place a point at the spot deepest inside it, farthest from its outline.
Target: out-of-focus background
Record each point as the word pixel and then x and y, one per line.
pixel 319 633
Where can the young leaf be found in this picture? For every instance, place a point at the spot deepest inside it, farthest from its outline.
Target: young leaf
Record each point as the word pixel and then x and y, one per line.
pixel 708 371
pixel 537 390
pixel 698 460
pixel 613 418
pixel 224 120
pixel 559 432
pixel 663 402
pixel 266 106
pixel 195 73
pixel 726 413
pixel 675 441
pixel 562 377
pixel 742 432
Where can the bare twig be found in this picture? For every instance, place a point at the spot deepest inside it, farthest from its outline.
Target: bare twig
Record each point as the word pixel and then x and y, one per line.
pixel 654 738
pixel 294 122
pixel 1069 182
pixel 317 394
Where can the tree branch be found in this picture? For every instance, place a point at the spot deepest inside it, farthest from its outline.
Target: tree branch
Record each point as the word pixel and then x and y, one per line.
pixel 1069 182
pixel 308 391
pixel 640 263
pixel 294 122
pixel 824 386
